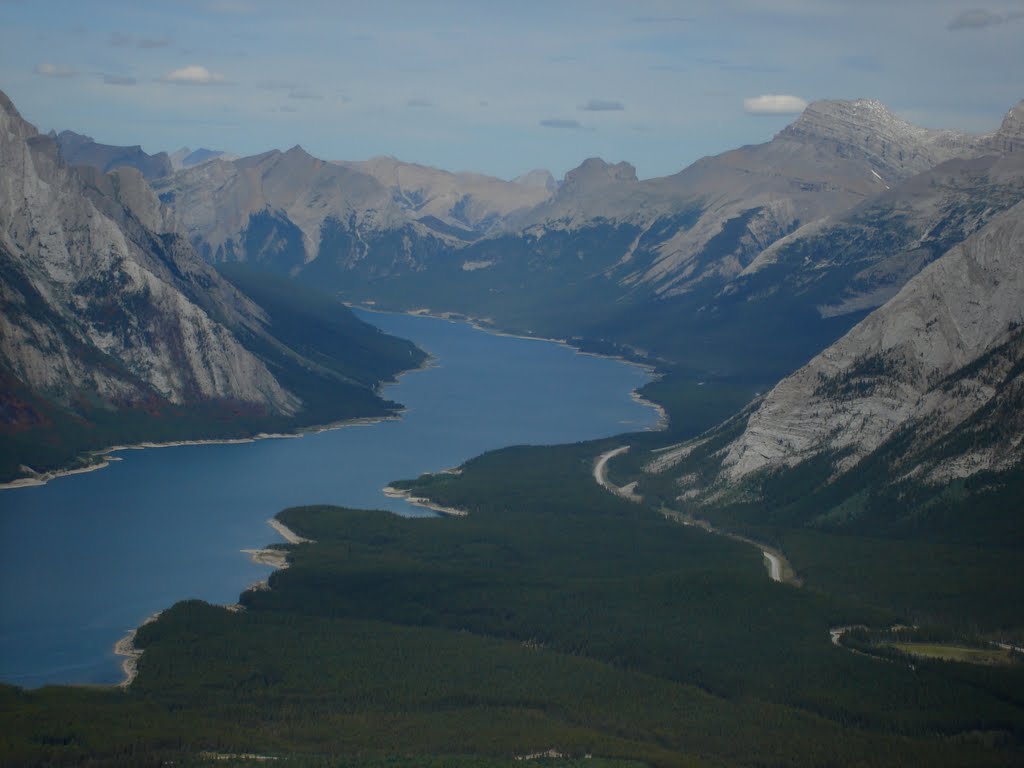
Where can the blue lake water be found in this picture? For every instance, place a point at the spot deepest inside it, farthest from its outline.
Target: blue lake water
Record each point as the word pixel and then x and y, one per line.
pixel 87 557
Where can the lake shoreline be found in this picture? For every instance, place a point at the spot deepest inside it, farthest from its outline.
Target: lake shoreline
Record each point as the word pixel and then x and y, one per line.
pixel 275 558
pixel 104 459
pixel 126 647
pixel 420 501
pixel 484 324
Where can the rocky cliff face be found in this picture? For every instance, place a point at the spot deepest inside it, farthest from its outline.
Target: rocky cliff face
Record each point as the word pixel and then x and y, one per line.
pixel 1010 136
pixel 856 261
pixel 96 307
pixel 933 378
pixel 865 130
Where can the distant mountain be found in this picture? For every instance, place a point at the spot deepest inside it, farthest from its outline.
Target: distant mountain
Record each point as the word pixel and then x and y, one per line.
pixel 111 326
pixel 835 155
pixel 187 158
pixel 283 210
pixel 858 260
pixel 470 202
pixel 77 149
pixel 539 177
pixel 796 238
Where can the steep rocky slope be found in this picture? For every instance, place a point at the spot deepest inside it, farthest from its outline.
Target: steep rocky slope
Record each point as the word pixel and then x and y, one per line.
pixel 858 260
pixel 929 385
pixel 887 371
pixel 86 315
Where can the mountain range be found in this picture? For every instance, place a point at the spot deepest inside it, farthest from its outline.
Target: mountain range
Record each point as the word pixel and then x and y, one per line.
pixel 746 265
pixel 692 256
pixel 835 321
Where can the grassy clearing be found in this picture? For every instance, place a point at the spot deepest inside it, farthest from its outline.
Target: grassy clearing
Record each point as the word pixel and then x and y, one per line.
pixel 962 653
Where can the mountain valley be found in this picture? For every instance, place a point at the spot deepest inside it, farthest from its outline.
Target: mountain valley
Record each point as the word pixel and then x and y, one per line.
pixel 836 320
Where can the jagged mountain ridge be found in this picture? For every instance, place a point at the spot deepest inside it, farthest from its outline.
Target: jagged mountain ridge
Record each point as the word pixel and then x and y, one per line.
pixel 471 202
pixel 835 155
pixel 856 261
pixel 693 232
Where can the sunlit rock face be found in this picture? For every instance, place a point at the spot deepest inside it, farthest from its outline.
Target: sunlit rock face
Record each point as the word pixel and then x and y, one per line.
pixel 101 310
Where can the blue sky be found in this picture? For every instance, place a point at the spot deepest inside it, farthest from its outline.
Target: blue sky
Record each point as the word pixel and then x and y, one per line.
pixel 498 88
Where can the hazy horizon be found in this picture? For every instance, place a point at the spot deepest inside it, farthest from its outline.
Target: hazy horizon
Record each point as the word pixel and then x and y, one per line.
pixel 495 89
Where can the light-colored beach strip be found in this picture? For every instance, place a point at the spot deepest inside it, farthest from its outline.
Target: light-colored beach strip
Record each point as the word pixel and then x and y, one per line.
pixel 126 647
pixel 419 501
pixel 104 460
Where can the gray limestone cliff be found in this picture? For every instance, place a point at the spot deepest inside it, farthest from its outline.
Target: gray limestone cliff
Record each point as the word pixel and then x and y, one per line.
pixel 935 378
pixel 96 306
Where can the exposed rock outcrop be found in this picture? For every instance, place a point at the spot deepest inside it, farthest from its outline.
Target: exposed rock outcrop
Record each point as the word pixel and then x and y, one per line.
pixel 908 363
pixel 96 306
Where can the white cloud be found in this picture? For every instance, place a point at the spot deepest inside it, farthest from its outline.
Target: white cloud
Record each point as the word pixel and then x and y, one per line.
pixel 774 104
pixel 55 70
pixel 193 74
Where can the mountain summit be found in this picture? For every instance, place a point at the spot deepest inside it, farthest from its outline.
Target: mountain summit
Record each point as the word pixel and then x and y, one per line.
pixel 865 129
pixel 1010 136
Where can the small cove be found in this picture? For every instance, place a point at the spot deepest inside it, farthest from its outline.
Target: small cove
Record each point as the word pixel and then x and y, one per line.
pixel 88 557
